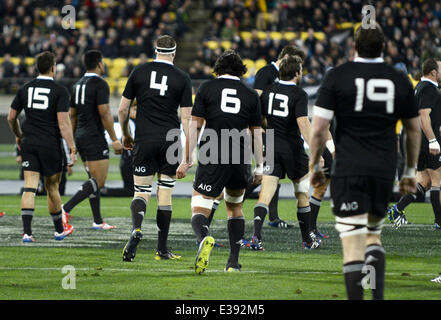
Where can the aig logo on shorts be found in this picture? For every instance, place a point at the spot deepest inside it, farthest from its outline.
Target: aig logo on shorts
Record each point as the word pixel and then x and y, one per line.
pixel 205 187
pixel 141 169
pixel 349 206
pixel 25 164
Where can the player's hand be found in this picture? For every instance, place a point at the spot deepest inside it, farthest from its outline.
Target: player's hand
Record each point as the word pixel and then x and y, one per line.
pixel 317 179
pixel 73 157
pixel 322 162
pixel 407 185
pixel 128 142
pixel 181 172
pixel 434 147
pixel 69 171
pixel 19 159
pixel 257 179
pixel 117 147
pixel 18 142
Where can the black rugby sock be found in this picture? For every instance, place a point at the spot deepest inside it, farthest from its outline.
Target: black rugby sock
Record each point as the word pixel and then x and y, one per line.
pixel 409 198
pixel 436 205
pixel 304 218
pixel 26 217
pixel 95 205
pixel 236 230
pixel 273 206
pixel 260 211
pixel 213 211
pixel 199 223
pixel 163 218
pixel 88 187
pixel 315 204
pixel 58 222
pixel 353 277
pixel 376 257
pixel 138 208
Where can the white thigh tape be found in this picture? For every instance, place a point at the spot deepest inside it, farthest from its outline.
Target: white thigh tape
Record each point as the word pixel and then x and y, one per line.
pixel 201 202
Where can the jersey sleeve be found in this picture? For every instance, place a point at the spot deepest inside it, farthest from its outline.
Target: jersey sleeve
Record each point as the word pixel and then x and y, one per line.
pixel 256 114
pixel 301 108
pixel 63 100
pixel 187 94
pixel 102 93
pixel 409 108
pixel 259 80
pixel 426 98
pixel 326 100
pixel 17 102
pixel 129 90
pixel 199 107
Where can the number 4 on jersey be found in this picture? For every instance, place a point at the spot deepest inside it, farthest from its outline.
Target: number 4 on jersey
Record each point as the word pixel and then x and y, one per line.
pixel 162 87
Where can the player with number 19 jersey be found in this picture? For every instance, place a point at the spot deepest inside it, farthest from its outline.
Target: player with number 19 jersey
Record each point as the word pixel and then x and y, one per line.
pixel 159 88
pixel 367 97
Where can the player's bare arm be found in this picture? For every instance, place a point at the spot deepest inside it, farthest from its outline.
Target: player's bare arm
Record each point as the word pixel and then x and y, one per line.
pixel 14 124
pixel 305 130
pixel 185 118
pixel 73 119
pixel 107 120
pixel 426 126
pixel 194 130
pixel 258 153
pixel 412 144
pixel 66 132
pixel 123 118
pixel 317 143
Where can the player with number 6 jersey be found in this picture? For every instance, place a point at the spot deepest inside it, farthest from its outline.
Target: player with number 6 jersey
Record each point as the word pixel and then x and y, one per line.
pixel 160 89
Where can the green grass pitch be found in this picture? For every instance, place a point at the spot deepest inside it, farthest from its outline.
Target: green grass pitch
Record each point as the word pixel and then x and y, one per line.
pixel 284 271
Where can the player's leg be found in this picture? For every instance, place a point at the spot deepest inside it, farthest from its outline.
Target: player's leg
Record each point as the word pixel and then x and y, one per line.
pixel 51 184
pixel 236 226
pixel 375 256
pixel 435 176
pixel 201 206
pixel 301 189
pixel 31 180
pixel 268 189
pixel 351 205
pixel 315 202
pixel 216 204
pixel 98 170
pixel 138 207
pixel 166 184
pixel 396 213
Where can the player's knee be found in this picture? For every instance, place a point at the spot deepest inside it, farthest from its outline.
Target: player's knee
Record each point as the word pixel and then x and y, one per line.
pixel 374 227
pixel 301 186
pixel 143 191
pixel 351 226
pixel 198 202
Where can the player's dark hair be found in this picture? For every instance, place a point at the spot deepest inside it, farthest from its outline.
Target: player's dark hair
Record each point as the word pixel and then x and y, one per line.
pixel 290 67
pixel 230 62
pixel 165 42
pixel 429 65
pixel 292 51
pixel 45 61
pixel 369 42
pixel 92 58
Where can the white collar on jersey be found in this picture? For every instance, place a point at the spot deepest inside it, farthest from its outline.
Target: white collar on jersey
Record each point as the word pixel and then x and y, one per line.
pixel 227 76
pixel 369 60
pixel 275 65
pixel 163 61
pixel 91 74
pixel 287 83
pixel 45 78
pixel 431 81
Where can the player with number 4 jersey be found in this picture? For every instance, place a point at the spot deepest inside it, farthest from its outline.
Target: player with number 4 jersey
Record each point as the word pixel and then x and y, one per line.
pixel 160 89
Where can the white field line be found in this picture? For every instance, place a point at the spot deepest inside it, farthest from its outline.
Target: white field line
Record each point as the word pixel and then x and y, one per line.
pixel 164 270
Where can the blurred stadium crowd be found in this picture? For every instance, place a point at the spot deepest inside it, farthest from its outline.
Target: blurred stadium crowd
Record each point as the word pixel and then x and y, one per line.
pixel 126 30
